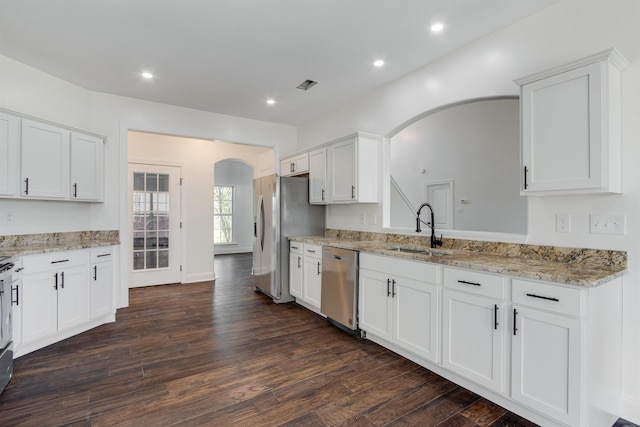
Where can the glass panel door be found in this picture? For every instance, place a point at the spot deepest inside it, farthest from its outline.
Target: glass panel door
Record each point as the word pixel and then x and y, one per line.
pixel 155 224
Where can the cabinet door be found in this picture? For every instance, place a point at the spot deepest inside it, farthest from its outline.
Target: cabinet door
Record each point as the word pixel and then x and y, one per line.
pixel 473 338
pixel 100 289
pixel 9 155
pixel 39 306
pixel 73 297
pixel 86 167
pixel 318 176
pixel 375 304
pixel 562 131
pixel 546 363
pixel 295 275
pixel 312 284
pixel 416 317
pixel 343 171
pixel 45 161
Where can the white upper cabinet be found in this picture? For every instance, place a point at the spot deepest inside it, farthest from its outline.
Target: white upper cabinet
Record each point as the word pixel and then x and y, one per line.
pixel 295 165
pixel 9 154
pixel 44 161
pixel 571 127
pixel 86 167
pixel 353 169
pixel 318 177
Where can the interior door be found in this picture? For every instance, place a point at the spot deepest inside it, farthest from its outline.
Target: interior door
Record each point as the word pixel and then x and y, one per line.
pixel 154 224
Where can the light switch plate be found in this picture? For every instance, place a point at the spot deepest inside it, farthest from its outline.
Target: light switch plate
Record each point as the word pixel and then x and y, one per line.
pixel 607 224
pixel 563 223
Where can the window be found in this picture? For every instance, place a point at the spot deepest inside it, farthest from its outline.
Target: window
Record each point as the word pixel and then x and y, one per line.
pixel 223 214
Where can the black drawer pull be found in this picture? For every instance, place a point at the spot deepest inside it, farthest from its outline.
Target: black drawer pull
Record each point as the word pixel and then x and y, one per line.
pixel 464 282
pixel 542 297
pixel 515 328
pixel 495 316
pixel 101 255
pixel 57 262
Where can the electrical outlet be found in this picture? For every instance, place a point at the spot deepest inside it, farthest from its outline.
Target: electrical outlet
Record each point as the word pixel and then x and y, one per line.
pixel 363 218
pixel 563 223
pixel 607 224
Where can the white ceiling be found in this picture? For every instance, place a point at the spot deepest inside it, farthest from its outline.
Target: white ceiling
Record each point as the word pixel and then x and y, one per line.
pixel 230 56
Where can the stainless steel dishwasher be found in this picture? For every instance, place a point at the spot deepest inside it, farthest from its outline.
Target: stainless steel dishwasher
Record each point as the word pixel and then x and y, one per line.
pixel 339 297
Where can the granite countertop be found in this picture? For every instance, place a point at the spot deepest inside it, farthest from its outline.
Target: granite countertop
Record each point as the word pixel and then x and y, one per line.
pixel 32 244
pixel 585 268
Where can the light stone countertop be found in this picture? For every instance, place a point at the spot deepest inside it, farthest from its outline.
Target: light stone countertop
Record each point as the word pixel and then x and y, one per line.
pixel 33 244
pixel 569 273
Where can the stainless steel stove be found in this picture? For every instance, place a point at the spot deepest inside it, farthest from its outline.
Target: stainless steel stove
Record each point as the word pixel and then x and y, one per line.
pixel 6 343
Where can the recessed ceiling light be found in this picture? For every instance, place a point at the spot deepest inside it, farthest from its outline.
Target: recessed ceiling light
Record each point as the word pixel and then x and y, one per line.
pixel 437 27
pixel 378 63
pixel 271 101
pixel 147 75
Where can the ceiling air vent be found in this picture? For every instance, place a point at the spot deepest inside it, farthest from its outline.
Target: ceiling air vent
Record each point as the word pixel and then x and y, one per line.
pixel 306 85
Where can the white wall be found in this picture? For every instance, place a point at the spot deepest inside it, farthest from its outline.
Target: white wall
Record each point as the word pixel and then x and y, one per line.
pixel 30 91
pixel 569 30
pixel 196 158
pixel 239 175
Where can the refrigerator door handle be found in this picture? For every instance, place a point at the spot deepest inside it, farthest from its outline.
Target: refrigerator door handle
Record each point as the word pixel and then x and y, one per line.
pixel 262 224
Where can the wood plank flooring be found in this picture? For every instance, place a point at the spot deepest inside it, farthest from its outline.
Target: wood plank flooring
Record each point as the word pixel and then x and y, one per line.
pixel 219 354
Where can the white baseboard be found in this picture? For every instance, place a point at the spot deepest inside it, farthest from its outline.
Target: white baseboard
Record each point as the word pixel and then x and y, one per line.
pixel 200 277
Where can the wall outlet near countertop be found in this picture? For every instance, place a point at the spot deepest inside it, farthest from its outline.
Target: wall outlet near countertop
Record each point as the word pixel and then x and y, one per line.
pixel 607 224
pixel 563 223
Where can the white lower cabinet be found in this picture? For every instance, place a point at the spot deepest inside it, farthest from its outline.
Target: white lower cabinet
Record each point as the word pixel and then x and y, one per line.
pixel 101 282
pixel 295 269
pixel 474 326
pixel 312 275
pixel 399 303
pixel 546 351
pixel 55 294
pixel 61 294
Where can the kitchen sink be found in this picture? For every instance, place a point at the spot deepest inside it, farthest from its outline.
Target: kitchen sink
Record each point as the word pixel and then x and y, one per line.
pixel 418 250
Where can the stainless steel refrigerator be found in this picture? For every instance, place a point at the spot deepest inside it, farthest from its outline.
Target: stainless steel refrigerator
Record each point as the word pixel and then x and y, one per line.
pixel 282 210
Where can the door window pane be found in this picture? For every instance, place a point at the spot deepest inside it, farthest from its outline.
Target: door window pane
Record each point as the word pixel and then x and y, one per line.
pixel 151 217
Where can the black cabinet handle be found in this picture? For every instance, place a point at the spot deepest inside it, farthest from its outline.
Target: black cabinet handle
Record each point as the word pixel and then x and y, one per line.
pixel 62 280
pixel 393 288
pixel 103 255
pixel 388 287
pixel 59 261
pixel 55 286
pixel 543 297
pixel 17 300
pixel 464 282
pixel 75 190
pixel 515 315
pixel 525 177
pixel 95 272
pixel 323 194
pixel 299 258
pixel 353 191
pixel 26 187
pixel 319 272
pixel 495 316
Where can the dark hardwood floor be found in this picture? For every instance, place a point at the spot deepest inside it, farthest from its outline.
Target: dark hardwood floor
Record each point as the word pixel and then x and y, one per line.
pixel 220 354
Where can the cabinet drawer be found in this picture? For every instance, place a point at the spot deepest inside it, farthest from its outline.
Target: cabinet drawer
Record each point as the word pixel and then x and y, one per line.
pixel 474 282
pixel 295 247
pixel 103 254
pixel 53 261
pixel 313 251
pixel 416 270
pixel 548 297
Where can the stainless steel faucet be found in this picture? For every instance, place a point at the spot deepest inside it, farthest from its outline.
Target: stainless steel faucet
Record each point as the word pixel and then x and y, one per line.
pixel 434 242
